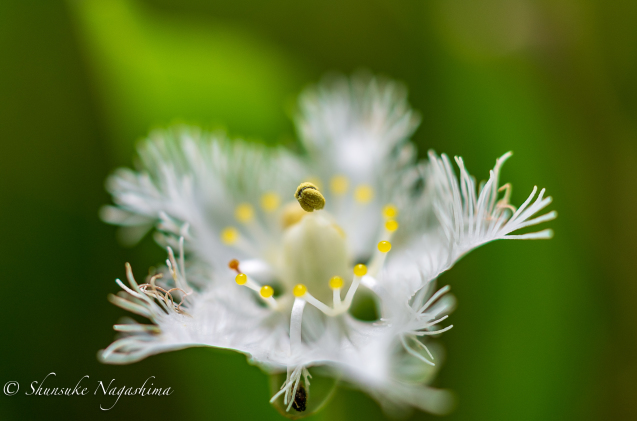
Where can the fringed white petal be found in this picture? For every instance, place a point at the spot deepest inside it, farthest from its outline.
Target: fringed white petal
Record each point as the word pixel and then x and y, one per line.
pixel 353 126
pixel 189 177
pixel 467 216
pixel 472 216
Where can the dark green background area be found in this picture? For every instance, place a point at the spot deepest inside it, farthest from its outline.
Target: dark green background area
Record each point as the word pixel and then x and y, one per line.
pixel 545 330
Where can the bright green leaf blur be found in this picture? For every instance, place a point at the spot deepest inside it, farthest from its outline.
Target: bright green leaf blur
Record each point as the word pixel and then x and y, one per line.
pixel 152 69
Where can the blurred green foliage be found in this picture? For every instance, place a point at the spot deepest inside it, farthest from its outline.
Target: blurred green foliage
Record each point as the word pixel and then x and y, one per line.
pixel 155 69
pixel 544 330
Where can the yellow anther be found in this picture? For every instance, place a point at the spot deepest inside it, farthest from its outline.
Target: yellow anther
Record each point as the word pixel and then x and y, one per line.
pixel 336 282
pixel 360 270
pixel 270 201
pixel 391 225
pixel 309 197
pixel 266 291
pixel 291 214
pixel 339 184
pixel 229 235
pixel 244 212
pixel 363 194
pixel 384 246
pixel 241 279
pixel 390 211
pixel 299 290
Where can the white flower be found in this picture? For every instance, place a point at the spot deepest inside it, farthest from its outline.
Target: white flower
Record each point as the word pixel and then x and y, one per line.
pixel 217 200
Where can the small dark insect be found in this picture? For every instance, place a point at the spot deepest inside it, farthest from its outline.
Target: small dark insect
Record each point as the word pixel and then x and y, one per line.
pixel 300 399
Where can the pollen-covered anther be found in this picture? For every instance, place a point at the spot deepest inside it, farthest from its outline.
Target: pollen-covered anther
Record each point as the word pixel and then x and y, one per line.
pixel 299 290
pixel 266 291
pixel 384 246
pixel 309 197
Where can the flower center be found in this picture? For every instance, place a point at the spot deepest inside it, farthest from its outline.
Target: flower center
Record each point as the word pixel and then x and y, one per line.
pixel 315 251
pixel 314 254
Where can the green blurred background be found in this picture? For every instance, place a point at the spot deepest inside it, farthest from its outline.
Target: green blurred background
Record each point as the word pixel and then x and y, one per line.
pixel 544 330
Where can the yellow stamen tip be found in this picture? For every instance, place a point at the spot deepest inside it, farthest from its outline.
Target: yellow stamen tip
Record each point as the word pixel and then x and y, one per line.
pixel 391 225
pixel 390 211
pixel 229 235
pixel 339 185
pixel 244 212
pixel 360 270
pixel 336 282
pixel 363 194
pixel 291 214
pixel 384 246
pixel 309 197
pixel 299 290
pixel 270 201
pixel 266 291
pixel 241 279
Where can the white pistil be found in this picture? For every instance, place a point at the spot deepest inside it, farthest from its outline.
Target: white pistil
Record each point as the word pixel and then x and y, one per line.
pixel 316 303
pixel 337 298
pixel 271 302
pixel 296 319
pixel 336 283
pixel 377 262
pixel 350 292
